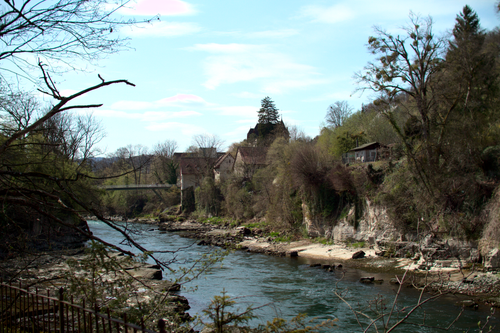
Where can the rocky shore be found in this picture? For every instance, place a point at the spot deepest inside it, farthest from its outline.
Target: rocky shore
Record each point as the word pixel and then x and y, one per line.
pixel 430 264
pixel 55 269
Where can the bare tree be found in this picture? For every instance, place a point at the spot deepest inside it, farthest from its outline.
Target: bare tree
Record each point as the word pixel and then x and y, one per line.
pixel 337 113
pixel 297 133
pixel 16 111
pixel 407 65
pixel 165 167
pixel 74 136
pixel 207 144
pixel 139 159
pixel 38 185
pixel 59 31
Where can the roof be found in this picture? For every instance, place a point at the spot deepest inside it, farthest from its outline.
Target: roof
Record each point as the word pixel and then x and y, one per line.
pixel 367 146
pixel 195 165
pixel 221 159
pixel 253 155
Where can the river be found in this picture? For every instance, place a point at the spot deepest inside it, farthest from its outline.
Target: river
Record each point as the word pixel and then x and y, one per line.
pixel 289 286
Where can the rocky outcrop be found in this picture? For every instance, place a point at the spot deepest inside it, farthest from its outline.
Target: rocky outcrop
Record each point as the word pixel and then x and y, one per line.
pixel 492 260
pixel 374 226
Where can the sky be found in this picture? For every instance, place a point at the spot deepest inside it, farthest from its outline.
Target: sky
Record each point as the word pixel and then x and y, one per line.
pixel 205 66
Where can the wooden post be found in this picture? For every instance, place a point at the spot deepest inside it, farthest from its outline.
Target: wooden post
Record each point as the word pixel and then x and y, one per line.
pixel 61 310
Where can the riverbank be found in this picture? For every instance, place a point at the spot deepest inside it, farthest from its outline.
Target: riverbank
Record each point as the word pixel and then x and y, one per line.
pixel 117 279
pixel 439 276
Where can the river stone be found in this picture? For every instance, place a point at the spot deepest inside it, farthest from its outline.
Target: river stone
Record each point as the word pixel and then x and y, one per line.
pixel 244 231
pixel 492 259
pixel 468 303
pixel 358 255
pixel 368 279
pixel 394 281
pixel 292 253
pixel 146 273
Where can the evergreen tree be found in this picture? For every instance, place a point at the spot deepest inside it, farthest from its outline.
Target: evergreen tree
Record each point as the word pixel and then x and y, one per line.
pixel 268 113
pixel 469 84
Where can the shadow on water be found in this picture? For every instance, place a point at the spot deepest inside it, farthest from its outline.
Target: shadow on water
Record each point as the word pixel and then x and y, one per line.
pixel 290 286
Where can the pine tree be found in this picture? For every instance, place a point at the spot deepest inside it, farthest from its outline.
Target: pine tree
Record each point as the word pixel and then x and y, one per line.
pixel 470 67
pixel 268 113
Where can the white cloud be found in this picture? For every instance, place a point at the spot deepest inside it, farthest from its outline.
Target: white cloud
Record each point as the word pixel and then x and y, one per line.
pixel 283 33
pixel 373 11
pixel 161 29
pixel 280 86
pixel 280 33
pixel 179 100
pixel 231 63
pixel 242 111
pixel 185 129
pixel 158 7
pixel 233 48
pixel 333 14
pixel 150 116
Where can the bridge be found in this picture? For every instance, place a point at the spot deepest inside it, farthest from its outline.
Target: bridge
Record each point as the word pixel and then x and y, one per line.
pixel 135 187
pixel 153 187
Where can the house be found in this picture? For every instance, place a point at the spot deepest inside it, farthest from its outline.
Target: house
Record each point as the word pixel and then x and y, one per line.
pixel 249 159
pixel 223 167
pixel 369 152
pixel 194 169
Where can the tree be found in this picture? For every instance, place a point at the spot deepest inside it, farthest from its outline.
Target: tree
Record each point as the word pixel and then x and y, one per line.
pixel 337 113
pixel 41 187
pixel 268 113
pixel 58 32
pixel 165 167
pixel 407 69
pixel 468 90
pixel 207 145
pixel 74 136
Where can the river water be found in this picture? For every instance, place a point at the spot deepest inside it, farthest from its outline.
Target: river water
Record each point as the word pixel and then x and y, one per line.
pixel 289 286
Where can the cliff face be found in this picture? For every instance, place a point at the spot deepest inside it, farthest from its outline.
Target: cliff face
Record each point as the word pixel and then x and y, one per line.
pixel 373 226
pixel 376 230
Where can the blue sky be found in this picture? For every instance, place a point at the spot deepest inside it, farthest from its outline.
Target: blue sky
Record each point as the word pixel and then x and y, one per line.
pixel 206 65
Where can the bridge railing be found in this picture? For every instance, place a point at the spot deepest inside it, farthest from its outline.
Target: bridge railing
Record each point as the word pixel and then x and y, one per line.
pixel 136 187
pixel 22 310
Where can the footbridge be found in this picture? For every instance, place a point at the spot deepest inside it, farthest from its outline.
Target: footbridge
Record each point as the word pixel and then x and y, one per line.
pixel 153 187
pixel 136 187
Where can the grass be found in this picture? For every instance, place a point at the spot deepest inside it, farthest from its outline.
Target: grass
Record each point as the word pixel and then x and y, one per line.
pixel 259 225
pixel 284 239
pixel 357 245
pixel 219 221
pixel 323 240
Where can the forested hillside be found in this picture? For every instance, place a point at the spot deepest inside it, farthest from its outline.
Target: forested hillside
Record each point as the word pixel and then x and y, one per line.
pixel 436 112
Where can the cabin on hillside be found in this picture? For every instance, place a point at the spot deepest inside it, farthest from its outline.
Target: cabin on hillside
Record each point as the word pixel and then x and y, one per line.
pixel 248 160
pixel 369 152
pixel 223 167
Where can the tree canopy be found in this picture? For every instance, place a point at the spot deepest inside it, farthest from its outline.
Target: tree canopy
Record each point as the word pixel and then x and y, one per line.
pixel 57 32
pixel 268 113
